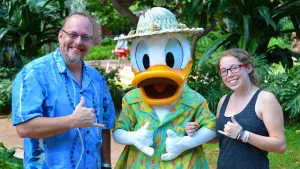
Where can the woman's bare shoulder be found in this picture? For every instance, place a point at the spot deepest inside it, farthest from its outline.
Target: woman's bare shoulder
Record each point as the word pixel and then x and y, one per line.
pixel 221 101
pixel 267 96
pixel 267 103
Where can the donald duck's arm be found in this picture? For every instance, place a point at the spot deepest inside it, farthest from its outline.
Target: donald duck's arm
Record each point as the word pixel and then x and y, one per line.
pixel 175 145
pixel 141 139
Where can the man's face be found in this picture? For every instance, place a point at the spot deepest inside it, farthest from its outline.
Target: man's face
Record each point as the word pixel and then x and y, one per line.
pixel 75 39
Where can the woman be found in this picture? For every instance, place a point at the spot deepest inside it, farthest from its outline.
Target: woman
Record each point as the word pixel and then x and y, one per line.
pixel 249 120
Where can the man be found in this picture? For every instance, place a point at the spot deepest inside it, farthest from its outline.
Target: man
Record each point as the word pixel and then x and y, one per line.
pixel 60 104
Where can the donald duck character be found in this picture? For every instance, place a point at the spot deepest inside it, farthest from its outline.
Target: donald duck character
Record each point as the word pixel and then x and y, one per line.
pixel 153 117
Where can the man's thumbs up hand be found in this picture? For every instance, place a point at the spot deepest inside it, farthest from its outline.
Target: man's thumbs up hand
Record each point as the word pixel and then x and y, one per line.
pixel 82 116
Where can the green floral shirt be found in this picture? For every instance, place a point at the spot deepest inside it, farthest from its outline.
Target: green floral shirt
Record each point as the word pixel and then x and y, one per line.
pixel 191 106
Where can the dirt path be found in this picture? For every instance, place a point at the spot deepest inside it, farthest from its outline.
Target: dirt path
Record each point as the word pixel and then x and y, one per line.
pixel 10 139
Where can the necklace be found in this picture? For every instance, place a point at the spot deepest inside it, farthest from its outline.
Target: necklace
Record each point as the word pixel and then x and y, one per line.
pixel 78 134
pixel 72 104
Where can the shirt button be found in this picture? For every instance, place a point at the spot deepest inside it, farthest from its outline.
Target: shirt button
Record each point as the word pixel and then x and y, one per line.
pixel 87 151
pixel 88 131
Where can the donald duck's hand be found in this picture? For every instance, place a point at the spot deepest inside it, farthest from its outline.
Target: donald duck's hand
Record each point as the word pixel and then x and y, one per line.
pixel 143 139
pixel 175 145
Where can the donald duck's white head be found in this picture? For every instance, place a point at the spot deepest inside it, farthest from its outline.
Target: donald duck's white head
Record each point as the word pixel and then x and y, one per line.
pixel 160 56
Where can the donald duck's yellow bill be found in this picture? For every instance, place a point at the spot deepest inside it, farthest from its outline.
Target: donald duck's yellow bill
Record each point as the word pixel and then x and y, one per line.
pixel 161 84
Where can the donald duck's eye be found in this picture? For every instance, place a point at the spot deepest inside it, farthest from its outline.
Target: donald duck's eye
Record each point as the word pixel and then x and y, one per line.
pixel 174 54
pixel 146 61
pixel 142 57
pixel 170 59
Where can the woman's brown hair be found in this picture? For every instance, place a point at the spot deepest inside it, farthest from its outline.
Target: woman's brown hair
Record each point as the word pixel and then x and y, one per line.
pixel 242 56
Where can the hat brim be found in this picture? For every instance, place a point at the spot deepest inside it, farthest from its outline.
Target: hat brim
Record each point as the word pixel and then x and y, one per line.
pixel 185 31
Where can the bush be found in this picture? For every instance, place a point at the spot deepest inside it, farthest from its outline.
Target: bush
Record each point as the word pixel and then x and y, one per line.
pixel 5 96
pixel 206 81
pixel 6 76
pixel 116 90
pixel 108 42
pixel 7 159
pixel 102 52
pixel 285 85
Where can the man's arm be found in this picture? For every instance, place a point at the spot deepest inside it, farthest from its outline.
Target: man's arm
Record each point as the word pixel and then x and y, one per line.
pixel 40 127
pixel 105 149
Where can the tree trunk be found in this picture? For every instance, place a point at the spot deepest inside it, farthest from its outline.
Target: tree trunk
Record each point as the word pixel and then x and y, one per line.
pixel 122 6
pixel 199 35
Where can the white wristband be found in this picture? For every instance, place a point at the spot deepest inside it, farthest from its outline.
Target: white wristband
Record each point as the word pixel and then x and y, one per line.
pixel 245 137
pixel 106 165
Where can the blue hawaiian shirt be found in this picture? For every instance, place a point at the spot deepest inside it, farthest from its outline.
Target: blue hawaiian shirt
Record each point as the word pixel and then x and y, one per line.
pixel 46 87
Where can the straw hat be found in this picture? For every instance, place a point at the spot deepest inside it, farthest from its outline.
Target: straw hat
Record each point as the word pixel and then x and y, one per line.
pixel 157 21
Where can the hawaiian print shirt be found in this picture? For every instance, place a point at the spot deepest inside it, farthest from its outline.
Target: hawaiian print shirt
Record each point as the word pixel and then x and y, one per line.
pixel 191 106
pixel 46 88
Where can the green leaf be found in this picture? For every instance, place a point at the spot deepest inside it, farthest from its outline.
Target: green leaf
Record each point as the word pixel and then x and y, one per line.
pixel 243 2
pixel 241 43
pixel 3 31
pixel 252 45
pixel 246 20
pixel 22 40
pixel 214 47
pixel 265 13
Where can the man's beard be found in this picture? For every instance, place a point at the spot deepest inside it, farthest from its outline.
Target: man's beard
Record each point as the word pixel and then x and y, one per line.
pixel 73 60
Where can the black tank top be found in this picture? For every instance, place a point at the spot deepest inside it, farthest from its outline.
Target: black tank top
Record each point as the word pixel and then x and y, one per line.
pixel 235 154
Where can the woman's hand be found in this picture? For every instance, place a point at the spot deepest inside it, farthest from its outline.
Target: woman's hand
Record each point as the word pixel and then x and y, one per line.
pixel 191 128
pixel 231 129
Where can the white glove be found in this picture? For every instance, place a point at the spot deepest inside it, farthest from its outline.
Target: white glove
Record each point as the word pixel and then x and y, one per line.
pixel 175 145
pixel 141 139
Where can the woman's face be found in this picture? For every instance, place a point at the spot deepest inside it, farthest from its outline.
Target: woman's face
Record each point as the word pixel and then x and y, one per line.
pixel 233 72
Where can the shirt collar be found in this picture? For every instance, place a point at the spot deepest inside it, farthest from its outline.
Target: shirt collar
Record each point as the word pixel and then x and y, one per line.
pixel 60 62
pixel 62 68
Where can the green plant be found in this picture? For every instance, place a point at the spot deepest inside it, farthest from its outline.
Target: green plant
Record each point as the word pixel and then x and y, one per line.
pixel 107 41
pixel 100 53
pixel 5 96
pixel 7 159
pixel 285 85
pixel 116 90
pixel 6 76
pixel 6 72
pixel 206 81
pixel 27 26
pixel 250 25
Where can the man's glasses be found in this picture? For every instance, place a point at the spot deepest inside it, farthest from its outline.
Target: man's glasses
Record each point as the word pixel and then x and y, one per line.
pixel 233 69
pixel 75 35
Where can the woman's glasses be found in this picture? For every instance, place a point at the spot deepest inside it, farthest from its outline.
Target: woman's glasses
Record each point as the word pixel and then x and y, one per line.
pixel 233 69
pixel 75 35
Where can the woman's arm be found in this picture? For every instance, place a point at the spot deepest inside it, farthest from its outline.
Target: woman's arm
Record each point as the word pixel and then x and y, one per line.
pixel 272 116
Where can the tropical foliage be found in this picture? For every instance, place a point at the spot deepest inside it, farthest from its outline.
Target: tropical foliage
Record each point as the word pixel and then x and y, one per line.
pixel 102 52
pixel 26 27
pixel 7 159
pixel 6 76
pixel 251 24
pixel 286 86
pixel 116 90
